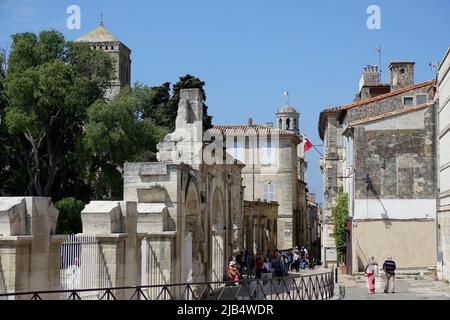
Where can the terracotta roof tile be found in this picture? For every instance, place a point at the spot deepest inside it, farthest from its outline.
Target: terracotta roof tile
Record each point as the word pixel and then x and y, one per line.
pixel 243 130
pixel 391 114
pixel 387 95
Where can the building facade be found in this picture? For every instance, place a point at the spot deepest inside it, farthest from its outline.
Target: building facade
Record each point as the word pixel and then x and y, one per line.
pixel 274 168
pixel 381 150
pixel 260 226
pixel 443 260
pixel 101 39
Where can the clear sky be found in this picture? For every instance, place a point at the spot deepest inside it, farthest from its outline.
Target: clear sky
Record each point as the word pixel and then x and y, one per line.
pixel 249 52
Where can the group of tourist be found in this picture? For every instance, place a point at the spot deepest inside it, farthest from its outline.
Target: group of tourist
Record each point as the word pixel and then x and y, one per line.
pixel 371 271
pixel 275 263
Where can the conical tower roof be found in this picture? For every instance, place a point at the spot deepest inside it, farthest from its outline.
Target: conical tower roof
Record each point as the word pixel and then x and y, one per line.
pixel 100 34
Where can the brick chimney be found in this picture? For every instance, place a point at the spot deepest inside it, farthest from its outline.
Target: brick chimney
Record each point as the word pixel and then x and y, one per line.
pixel 401 74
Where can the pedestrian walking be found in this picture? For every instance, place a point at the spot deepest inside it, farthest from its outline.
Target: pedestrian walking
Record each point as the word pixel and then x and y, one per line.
pixel 233 274
pixel 389 268
pixel 371 271
pixel 259 264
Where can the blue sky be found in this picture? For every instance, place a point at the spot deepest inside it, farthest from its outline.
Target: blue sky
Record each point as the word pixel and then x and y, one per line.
pixel 249 52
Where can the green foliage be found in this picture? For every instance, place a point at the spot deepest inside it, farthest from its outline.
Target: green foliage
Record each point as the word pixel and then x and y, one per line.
pixel 340 218
pixel 116 134
pixel 69 218
pixel 58 136
pixel 49 90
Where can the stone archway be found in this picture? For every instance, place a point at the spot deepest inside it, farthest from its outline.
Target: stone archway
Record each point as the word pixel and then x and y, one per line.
pixel 218 239
pixel 194 229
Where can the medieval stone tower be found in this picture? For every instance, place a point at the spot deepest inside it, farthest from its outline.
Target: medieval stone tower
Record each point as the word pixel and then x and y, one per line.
pixel 101 39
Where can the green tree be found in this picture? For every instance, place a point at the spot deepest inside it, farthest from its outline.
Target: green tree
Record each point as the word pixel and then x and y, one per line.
pixel 153 103
pixel 69 218
pixel 117 133
pixel 340 218
pixel 50 83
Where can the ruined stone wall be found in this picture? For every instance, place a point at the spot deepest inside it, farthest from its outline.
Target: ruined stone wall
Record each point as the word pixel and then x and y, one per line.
pixel 401 163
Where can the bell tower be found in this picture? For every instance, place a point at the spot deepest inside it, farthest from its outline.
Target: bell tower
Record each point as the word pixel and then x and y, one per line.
pixel 101 39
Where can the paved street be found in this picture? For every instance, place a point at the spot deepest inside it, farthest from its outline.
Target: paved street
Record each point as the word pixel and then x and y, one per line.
pixel 407 288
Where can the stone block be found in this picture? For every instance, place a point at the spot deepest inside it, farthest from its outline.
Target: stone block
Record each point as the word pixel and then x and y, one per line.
pixel 102 217
pixel 12 216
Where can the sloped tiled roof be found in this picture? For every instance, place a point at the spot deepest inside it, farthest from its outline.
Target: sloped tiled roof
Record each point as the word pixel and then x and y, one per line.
pixel 243 130
pixel 100 34
pixel 387 95
pixel 391 114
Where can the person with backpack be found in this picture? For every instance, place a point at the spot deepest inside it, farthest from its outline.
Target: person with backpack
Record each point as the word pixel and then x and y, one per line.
pixel 371 271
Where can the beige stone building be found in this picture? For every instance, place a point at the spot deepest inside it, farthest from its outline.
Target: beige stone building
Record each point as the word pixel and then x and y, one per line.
pixel 443 261
pixel 101 39
pixel 274 168
pixel 381 150
pixel 260 226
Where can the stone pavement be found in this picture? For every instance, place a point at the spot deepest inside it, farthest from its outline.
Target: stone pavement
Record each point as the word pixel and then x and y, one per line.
pixel 406 288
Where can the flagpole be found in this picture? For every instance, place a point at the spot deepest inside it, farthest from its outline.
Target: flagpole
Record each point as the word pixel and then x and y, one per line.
pixel 312 144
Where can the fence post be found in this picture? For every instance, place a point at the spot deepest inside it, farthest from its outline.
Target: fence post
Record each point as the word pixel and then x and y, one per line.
pixel 336 274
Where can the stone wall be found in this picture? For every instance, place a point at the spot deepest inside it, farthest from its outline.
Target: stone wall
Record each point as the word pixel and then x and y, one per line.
pixel 399 239
pixel 443 169
pixel 260 225
pixel 29 250
pixel 401 163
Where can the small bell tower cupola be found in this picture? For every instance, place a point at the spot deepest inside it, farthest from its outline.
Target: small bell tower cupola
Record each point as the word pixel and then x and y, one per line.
pixel 287 117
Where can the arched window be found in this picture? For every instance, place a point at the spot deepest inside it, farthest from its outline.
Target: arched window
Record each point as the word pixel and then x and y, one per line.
pixel 288 123
pixel 280 123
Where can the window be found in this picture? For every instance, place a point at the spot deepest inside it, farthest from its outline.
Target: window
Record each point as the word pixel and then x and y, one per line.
pixel 421 99
pixel 288 123
pixel 280 124
pixel 408 101
pixel 112 47
pixel 266 151
pixel 269 191
pixel 402 71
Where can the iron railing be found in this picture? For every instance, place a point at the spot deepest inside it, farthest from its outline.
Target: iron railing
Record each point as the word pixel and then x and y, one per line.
pixel 318 286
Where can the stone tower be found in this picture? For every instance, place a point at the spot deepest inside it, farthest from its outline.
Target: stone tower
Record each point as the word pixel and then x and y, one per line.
pixel 101 39
pixel 288 118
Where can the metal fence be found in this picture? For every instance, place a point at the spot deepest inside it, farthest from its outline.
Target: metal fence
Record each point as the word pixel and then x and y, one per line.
pixel 304 287
pixel 83 266
pixel 151 271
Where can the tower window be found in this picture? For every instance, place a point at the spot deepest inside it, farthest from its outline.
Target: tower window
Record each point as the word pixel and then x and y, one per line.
pixel 280 124
pixel 288 123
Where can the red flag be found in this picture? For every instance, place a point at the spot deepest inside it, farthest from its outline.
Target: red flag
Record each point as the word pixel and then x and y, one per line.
pixel 307 145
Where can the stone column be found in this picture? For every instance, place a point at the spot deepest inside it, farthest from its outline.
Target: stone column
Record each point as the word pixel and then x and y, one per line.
pixel 29 254
pixel 115 226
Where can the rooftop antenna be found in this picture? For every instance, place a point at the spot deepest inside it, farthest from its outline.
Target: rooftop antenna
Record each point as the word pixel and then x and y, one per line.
pixel 286 94
pixel 434 66
pixel 101 18
pixel 379 60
